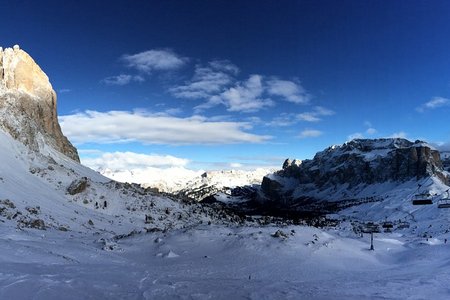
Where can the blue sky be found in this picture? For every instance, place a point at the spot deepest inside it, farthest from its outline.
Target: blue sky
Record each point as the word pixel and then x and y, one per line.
pixel 237 83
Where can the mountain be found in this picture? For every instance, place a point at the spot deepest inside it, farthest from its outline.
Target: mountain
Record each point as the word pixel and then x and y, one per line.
pixel 360 168
pixel 216 183
pixel 189 184
pixel 28 104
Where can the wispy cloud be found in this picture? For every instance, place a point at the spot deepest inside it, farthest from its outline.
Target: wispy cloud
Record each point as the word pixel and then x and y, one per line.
pixel 310 133
pixel 283 120
pixel 359 135
pixel 289 90
pixel 315 115
pixel 207 81
pixel 246 96
pixel 153 128
pixel 400 134
pixel 371 131
pixel 157 59
pixel 434 103
pixel 216 84
pixel 289 119
pixel 62 91
pixel 356 135
pixel 122 79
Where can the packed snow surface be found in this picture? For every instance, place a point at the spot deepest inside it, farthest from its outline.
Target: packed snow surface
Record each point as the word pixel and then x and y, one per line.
pixel 223 263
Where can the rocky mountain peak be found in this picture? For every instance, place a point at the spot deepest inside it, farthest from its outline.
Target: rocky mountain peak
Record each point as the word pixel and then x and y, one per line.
pixel 28 104
pixel 355 164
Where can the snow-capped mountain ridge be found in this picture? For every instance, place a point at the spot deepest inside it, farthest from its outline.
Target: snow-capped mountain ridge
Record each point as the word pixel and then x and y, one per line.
pixel 213 182
pixel 353 170
pixel 185 183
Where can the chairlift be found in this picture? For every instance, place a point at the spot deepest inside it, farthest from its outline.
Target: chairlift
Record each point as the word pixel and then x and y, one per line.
pixel 388 225
pixel 403 225
pixel 423 198
pixel 444 202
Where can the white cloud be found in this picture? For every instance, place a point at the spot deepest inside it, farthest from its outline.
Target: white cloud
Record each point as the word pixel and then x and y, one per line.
pixel 434 103
pixel 236 165
pixel 122 79
pixel 131 160
pixel 246 96
pixel 148 61
pixel 148 128
pixel 289 90
pixel 371 131
pixel 224 65
pixel 368 124
pixel 64 91
pixel 283 120
pixel 308 117
pixel 310 133
pixel 288 119
pixel 356 135
pixel 315 115
pixel 173 111
pixel 147 169
pixel 207 81
pixel 400 134
pixel 217 84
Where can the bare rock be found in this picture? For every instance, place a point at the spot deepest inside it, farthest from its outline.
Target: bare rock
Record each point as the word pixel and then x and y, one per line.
pixel 77 186
pixel 28 104
pixel 355 163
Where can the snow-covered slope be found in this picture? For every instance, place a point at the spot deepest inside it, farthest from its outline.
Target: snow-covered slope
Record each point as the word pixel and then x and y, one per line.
pixel 35 187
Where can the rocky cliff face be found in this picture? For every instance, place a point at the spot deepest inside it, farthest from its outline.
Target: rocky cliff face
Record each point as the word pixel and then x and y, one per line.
pixel 353 166
pixel 28 104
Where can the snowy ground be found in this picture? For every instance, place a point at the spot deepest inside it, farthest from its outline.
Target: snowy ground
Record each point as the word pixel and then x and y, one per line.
pixel 223 263
pixel 79 255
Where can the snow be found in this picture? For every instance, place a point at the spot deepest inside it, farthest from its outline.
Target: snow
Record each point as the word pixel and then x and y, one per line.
pixel 110 253
pixel 165 179
pixel 222 262
pixel 177 179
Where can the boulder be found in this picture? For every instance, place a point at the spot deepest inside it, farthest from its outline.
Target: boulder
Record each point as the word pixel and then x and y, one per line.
pixel 77 186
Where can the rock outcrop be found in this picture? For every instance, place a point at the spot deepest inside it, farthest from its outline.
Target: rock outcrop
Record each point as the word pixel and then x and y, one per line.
pixel 28 104
pixel 352 166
